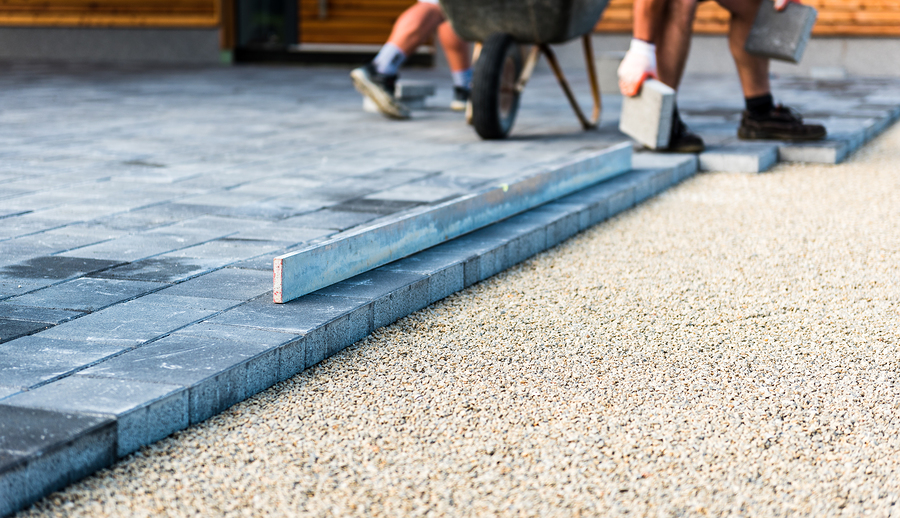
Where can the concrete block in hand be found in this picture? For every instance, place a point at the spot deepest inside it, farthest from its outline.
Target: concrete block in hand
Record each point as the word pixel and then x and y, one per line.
pixel 647 117
pixel 781 35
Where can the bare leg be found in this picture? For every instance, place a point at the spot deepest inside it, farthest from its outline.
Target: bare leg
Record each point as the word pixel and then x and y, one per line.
pixel 752 70
pixel 455 48
pixel 415 26
pixel 673 41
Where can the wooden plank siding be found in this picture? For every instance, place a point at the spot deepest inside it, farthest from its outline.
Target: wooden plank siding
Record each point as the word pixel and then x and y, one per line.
pixel 350 21
pixel 111 13
pixel 836 18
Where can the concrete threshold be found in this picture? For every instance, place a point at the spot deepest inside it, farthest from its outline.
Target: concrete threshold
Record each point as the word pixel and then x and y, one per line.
pixel 257 344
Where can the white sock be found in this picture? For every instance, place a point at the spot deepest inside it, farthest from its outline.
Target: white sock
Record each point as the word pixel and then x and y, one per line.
pixel 463 78
pixel 389 59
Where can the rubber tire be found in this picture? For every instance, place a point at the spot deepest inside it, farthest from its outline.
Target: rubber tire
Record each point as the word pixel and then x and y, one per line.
pixel 496 52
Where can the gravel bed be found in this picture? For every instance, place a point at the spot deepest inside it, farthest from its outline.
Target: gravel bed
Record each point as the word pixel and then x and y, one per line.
pixel 729 348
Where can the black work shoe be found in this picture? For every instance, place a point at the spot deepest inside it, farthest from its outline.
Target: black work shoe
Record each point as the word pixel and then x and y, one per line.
pixel 460 98
pixel 782 123
pixel 380 89
pixel 682 140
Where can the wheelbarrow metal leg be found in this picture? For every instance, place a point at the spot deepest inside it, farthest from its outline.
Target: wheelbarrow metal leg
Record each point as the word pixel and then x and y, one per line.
pixel 592 77
pixel 557 70
pixel 530 63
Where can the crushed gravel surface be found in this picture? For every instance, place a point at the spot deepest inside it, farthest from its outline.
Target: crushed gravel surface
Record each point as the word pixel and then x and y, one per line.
pixel 729 348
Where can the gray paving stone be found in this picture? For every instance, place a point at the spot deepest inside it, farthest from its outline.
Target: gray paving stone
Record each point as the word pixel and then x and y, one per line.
pixel 161 269
pixel 86 294
pixel 328 323
pixel 37 314
pixel 29 361
pixel 218 373
pixel 145 412
pixel 211 304
pixel 446 275
pixel 647 117
pixel 42 451
pixel 781 35
pixel 826 152
pixel 739 158
pixel 227 283
pixel 56 267
pixel 138 246
pixel 8 391
pixel 130 323
pixel 330 219
pixel 291 347
pixel 11 329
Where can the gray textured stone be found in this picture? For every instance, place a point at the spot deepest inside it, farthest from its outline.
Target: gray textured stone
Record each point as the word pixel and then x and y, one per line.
pixel 129 324
pixel 739 158
pixel 823 152
pixel 11 329
pixel 218 373
pixel 145 412
pixel 162 269
pixel 781 35
pixel 86 294
pixel 37 314
pixel 647 117
pixel 42 451
pixel 31 360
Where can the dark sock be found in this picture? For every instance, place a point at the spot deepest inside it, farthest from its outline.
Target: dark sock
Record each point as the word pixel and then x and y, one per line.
pixel 760 106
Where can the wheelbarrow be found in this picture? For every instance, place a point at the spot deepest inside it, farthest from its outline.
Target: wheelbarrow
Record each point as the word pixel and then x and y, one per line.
pixel 502 29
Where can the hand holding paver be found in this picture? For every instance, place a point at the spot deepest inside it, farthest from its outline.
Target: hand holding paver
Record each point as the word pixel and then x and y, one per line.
pixel 638 66
pixel 780 5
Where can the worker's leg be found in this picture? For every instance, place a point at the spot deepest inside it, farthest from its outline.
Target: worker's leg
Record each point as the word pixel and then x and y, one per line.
pixel 378 79
pixel 672 48
pixel 673 42
pixel 457 51
pixel 752 70
pixel 415 26
pixel 762 119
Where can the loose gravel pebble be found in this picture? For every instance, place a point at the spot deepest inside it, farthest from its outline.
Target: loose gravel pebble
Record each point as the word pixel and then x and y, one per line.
pixel 729 348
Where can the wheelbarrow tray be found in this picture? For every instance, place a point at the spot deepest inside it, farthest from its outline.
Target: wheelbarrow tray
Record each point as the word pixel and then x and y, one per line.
pixel 528 21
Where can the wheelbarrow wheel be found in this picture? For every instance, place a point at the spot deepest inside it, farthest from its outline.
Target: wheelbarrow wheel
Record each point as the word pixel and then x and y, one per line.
pixel 495 94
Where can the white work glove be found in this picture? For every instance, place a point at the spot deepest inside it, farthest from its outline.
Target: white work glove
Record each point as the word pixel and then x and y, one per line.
pixel 638 65
pixel 781 4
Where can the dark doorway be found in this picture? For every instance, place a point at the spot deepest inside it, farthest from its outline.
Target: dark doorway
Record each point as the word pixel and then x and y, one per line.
pixel 266 25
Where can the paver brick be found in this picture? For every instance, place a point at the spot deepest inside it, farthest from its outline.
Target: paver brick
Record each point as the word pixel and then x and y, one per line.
pixel 145 412
pixel 744 158
pixel 31 360
pixel 42 451
pixel 218 373
pixel 781 35
pixel 86 294
pixel 11 329
pixel 37 314
pixel 647 117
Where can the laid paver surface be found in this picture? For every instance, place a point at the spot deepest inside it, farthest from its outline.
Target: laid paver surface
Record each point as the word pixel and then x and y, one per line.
pixel 140 211
pixel 728 348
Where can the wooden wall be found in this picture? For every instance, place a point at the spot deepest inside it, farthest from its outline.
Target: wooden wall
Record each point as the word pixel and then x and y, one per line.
pixel 110 13
pixel 370 21
pixel 349 21
pixel 836 18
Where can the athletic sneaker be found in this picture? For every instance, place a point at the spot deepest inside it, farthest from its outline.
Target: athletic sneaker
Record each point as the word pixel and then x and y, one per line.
pixel 682 140
pixel 380 89
pixel 782 123
pixel 460 98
